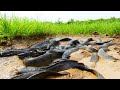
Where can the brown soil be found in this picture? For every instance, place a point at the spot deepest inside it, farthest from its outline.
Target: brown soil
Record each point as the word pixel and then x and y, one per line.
pixel 108 68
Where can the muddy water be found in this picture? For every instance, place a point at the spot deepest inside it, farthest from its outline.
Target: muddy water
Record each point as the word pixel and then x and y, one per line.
pixel 108 68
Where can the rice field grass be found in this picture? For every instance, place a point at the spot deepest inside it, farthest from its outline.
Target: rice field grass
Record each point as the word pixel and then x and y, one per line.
pixel 24 27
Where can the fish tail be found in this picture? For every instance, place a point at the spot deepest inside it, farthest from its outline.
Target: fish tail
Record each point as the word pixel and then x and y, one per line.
pixel 99 76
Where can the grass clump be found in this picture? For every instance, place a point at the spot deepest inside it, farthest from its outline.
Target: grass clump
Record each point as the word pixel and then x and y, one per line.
pixel 23 27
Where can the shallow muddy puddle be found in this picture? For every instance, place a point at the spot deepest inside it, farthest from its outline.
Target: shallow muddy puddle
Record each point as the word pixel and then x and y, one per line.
pixel 108 68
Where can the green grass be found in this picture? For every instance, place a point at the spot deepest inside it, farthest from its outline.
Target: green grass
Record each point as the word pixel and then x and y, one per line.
pixel 23 27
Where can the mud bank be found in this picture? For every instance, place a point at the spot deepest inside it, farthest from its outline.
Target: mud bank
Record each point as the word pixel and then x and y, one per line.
pixel 109 69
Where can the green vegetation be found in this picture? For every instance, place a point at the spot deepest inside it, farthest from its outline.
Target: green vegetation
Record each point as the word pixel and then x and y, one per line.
pixel 23 27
